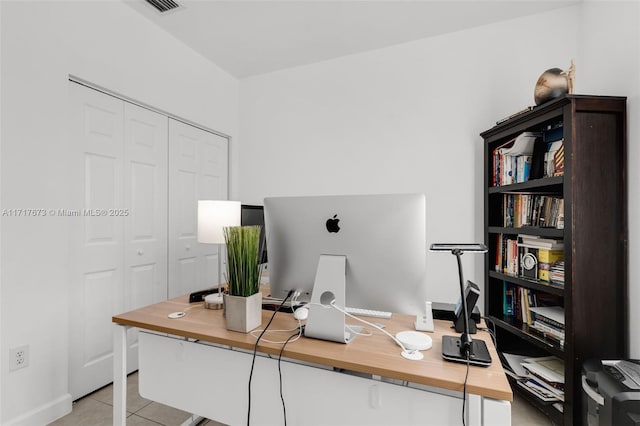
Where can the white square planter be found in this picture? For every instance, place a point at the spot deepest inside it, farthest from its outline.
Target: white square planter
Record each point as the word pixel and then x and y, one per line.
pixel 243 314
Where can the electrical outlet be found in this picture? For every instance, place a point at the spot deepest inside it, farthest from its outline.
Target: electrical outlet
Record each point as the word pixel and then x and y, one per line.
pixel 19 357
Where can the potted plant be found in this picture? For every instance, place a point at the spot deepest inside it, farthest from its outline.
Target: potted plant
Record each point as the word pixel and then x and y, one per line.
pixel 243 300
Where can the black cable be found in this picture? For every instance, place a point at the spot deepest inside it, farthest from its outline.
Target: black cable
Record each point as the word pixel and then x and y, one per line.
pixel 255 349
pixel 464 391
pixel 284 407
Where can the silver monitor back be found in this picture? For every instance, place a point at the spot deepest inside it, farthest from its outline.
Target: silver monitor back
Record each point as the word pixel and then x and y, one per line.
pixel 382 236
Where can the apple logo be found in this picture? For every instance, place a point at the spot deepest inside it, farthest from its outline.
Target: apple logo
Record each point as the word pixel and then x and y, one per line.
pixel 332 224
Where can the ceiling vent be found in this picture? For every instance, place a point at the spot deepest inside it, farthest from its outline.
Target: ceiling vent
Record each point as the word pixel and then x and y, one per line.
pixel 163 5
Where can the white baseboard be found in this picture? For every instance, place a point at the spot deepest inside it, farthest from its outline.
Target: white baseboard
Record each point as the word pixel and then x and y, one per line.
pixel 44 414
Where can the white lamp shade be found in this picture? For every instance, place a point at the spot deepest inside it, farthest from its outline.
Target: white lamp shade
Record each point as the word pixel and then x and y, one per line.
pixel 214 216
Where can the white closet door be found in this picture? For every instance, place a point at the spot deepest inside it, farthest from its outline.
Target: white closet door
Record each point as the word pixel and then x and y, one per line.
pixel 145 194
pixel 198 170
pixel 119 240
pixel 96 186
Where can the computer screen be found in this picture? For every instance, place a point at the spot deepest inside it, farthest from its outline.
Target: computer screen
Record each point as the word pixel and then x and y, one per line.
pixel 252 215
pixel 383 238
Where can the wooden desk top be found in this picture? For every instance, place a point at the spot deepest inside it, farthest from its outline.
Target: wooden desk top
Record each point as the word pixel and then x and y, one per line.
pixel 376 354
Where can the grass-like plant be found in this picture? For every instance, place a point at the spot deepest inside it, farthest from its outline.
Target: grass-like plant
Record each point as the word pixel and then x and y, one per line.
pixel 243 259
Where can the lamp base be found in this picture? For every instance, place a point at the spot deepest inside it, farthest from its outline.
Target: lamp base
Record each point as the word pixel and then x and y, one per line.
pixel 479 354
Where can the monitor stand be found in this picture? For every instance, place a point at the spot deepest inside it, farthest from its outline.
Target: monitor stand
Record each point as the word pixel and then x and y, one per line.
pixel 325 322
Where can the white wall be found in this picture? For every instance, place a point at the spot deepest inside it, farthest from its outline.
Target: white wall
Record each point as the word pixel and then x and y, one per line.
pixel 610 38
pixel 401 119
pixel 407 118
pixel 110 44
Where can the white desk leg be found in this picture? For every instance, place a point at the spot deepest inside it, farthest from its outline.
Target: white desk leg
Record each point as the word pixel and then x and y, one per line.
pixel 474 410
pixel 495 412
pixel 120 375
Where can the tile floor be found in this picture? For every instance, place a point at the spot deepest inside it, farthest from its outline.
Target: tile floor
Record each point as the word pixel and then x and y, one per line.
pixel 96 410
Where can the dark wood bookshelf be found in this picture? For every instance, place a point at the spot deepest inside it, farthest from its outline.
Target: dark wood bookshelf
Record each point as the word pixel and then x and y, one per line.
pixel 594 292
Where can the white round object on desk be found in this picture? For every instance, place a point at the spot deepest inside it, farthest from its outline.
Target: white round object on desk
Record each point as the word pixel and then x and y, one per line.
pixel 213 301
pixel 412 340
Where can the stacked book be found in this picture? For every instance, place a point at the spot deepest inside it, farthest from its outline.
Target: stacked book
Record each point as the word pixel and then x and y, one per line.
pixel 549 321
pixel 512 160
pixel 556 272
pixel 542 377
pixel 548 254
pixel 507 261
pixel 525 209
pixel 545 378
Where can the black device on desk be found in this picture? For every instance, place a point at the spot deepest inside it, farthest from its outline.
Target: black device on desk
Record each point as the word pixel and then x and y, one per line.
pixel 198 296
pixel 447 312
pixel 464 348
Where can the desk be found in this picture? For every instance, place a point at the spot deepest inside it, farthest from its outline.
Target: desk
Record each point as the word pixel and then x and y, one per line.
pixel 196 365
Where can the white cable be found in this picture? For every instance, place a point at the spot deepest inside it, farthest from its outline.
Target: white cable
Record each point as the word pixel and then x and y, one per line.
pixel 299 328
pixel 413 354
pixel 353 330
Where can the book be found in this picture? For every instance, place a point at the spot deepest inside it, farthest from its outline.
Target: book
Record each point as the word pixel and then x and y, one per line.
pixel 539 391
pixel 514 363
pixel 558 162
pixel 550 256
pixel 531 209
pixel 547 329
pixel 523 168
pixel 525 306
pixel 508 301
pixel 549 158
pixel 539 242
pixel 556 272
pixel 553 315
pixel 512 160
pixel 550 369
pixel 553 132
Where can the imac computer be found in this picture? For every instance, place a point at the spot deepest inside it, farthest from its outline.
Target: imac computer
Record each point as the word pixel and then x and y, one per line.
pixel 378 241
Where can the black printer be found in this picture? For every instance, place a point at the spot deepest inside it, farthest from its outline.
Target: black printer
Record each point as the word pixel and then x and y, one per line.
pixel 611 392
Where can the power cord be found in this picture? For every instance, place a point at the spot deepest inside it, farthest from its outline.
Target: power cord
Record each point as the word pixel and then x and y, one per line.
pixel 296 335
pixel 464 391
pixel 255 350
pixel 406 353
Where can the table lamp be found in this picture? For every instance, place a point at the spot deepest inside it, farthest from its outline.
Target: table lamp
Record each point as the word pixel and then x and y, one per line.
pixel 213 217
pixel 463 348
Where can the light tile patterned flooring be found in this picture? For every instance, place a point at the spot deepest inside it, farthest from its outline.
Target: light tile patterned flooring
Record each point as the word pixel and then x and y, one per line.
pixel 96 409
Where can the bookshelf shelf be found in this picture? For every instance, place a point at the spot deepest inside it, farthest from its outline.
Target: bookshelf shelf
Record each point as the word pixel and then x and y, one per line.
pixel 592 186
pixel 551 184
pixel 523 332
pixel 547 287
pixel 529 230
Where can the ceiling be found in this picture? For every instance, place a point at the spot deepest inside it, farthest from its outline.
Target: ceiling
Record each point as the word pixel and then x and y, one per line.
pixel 248 38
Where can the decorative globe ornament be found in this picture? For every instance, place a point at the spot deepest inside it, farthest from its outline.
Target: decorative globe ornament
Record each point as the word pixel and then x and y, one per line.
pixel 554 83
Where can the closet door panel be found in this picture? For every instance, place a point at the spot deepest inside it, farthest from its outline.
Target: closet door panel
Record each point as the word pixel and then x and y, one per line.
pixel 146 195
pixel 96 238
pixel 145 218
pixel 198 170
